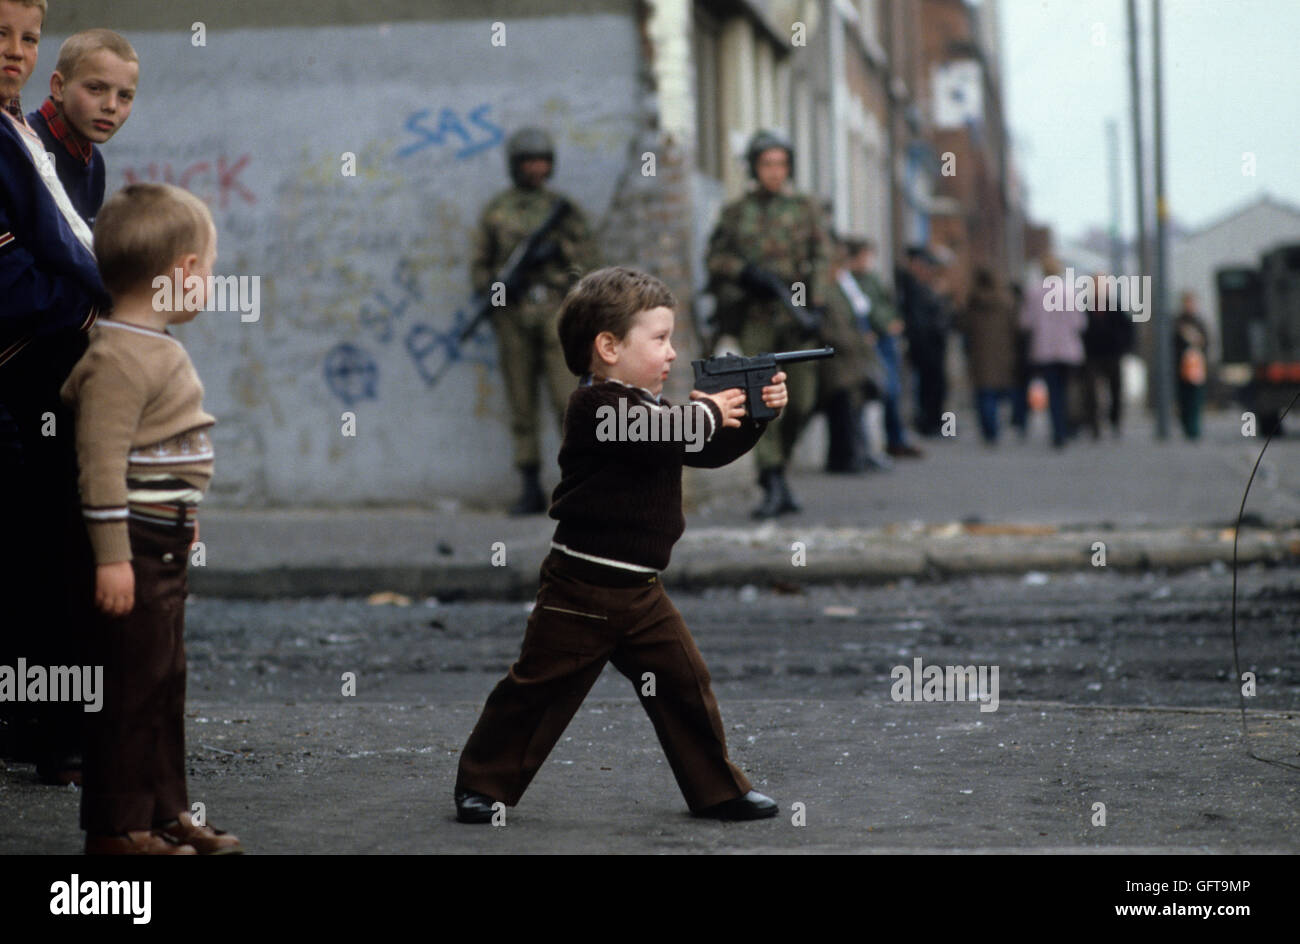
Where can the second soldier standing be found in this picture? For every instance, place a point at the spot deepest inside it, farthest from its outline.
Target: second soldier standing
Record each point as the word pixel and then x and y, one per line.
pixel 771 230
pixel 527 343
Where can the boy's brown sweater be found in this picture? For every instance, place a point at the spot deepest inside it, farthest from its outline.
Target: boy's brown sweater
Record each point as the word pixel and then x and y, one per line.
pixel 139 407
pixel 622 501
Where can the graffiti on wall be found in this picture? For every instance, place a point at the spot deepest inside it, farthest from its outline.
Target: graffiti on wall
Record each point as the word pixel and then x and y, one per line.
pixel 472 136
pixel 352 373
pixel 216 182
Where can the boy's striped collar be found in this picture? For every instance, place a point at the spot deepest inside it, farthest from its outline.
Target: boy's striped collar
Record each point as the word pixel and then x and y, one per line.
pixel 83 151
pixel 588 380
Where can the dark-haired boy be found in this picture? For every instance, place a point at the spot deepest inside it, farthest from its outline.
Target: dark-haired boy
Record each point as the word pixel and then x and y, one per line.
pixel 619 508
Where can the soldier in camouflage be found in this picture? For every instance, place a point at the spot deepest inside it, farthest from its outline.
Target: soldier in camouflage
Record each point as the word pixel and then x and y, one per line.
pixel 782 232
pixel 527 343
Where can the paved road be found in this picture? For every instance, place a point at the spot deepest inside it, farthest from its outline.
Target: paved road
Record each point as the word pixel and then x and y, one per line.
pixel 1114 688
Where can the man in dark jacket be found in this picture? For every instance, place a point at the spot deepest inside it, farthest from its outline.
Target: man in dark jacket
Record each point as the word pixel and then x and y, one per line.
pixel 926 320
pixel 1106 339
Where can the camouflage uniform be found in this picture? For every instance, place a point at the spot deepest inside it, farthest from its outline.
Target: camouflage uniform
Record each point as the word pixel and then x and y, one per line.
pixel 782 233
pixel 527 342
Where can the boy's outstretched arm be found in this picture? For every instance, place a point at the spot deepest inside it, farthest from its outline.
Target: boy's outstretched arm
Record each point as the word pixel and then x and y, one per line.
pixel 731 403
pixel 729 444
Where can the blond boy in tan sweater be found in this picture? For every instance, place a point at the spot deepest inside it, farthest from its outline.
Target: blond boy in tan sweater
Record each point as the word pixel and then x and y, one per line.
pixel 145 458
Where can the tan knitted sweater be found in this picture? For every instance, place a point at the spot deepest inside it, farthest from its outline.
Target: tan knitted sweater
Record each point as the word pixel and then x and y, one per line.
pixel 139 408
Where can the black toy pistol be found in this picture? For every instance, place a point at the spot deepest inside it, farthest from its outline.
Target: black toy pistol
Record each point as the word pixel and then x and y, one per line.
pixel 750 374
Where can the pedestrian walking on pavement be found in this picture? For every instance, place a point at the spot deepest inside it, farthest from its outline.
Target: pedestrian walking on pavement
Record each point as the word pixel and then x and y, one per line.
pixel 1191 341
pixel 989 324
pixel 927 321
pixel 1108 337
pixel 1055 344
pixel 1023 372
pixel 888 328
pixel 852 377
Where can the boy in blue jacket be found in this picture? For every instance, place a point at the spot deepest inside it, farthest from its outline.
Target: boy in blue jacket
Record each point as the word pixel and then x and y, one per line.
pixel 50 293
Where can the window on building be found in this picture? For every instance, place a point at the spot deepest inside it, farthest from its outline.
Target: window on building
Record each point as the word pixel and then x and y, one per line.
pixel 709 143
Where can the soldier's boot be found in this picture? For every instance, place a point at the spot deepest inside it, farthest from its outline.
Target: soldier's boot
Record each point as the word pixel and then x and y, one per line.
pixel 531 501
pixel 773 494
pixel 788 503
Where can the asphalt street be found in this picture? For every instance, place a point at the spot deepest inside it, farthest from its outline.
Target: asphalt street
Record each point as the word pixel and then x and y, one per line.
pixel 1113 688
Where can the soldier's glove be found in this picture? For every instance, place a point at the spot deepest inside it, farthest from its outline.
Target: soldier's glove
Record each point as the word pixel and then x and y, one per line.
pixel 546 250
pixel 811 322
pixel 754 279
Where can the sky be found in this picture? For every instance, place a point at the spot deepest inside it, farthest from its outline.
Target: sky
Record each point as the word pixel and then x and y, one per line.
pixel 1231 78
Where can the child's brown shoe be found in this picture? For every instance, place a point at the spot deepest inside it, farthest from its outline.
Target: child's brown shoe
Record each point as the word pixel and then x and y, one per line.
pixel 137 842
pixel 204 839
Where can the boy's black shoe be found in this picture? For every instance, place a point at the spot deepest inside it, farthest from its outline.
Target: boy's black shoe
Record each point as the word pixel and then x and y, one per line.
pixel 753 805
pixel 473 807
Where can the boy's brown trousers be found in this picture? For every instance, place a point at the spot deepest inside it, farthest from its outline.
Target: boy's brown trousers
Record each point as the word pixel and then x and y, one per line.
pixel 575 628
pixel 133 776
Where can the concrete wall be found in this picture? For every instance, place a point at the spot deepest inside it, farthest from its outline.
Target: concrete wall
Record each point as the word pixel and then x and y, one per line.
pixel 361 275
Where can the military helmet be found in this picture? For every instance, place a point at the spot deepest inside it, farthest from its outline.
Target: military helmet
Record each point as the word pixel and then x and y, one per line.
pixel 528 142
pixel 765 141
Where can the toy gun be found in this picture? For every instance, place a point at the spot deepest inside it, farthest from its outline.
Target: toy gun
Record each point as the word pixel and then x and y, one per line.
pixel 531 251
pixel 764 282
pixel 750 374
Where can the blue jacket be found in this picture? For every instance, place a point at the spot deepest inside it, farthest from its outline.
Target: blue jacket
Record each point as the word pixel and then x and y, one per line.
pixel 48 279
pixel 83 181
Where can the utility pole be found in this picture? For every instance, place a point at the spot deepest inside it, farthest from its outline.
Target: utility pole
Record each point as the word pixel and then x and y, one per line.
pixel 1112 160
pixel 1139 171
pixel 1164 342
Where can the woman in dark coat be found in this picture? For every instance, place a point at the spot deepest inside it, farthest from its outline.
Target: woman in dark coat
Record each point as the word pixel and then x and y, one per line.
pixel 989 324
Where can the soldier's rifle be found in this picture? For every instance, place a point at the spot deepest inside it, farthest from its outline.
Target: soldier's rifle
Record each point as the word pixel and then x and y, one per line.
pixel 510 281
pixel 766 282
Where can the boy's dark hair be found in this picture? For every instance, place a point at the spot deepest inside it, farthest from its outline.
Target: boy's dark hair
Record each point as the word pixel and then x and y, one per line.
pixel 606 300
